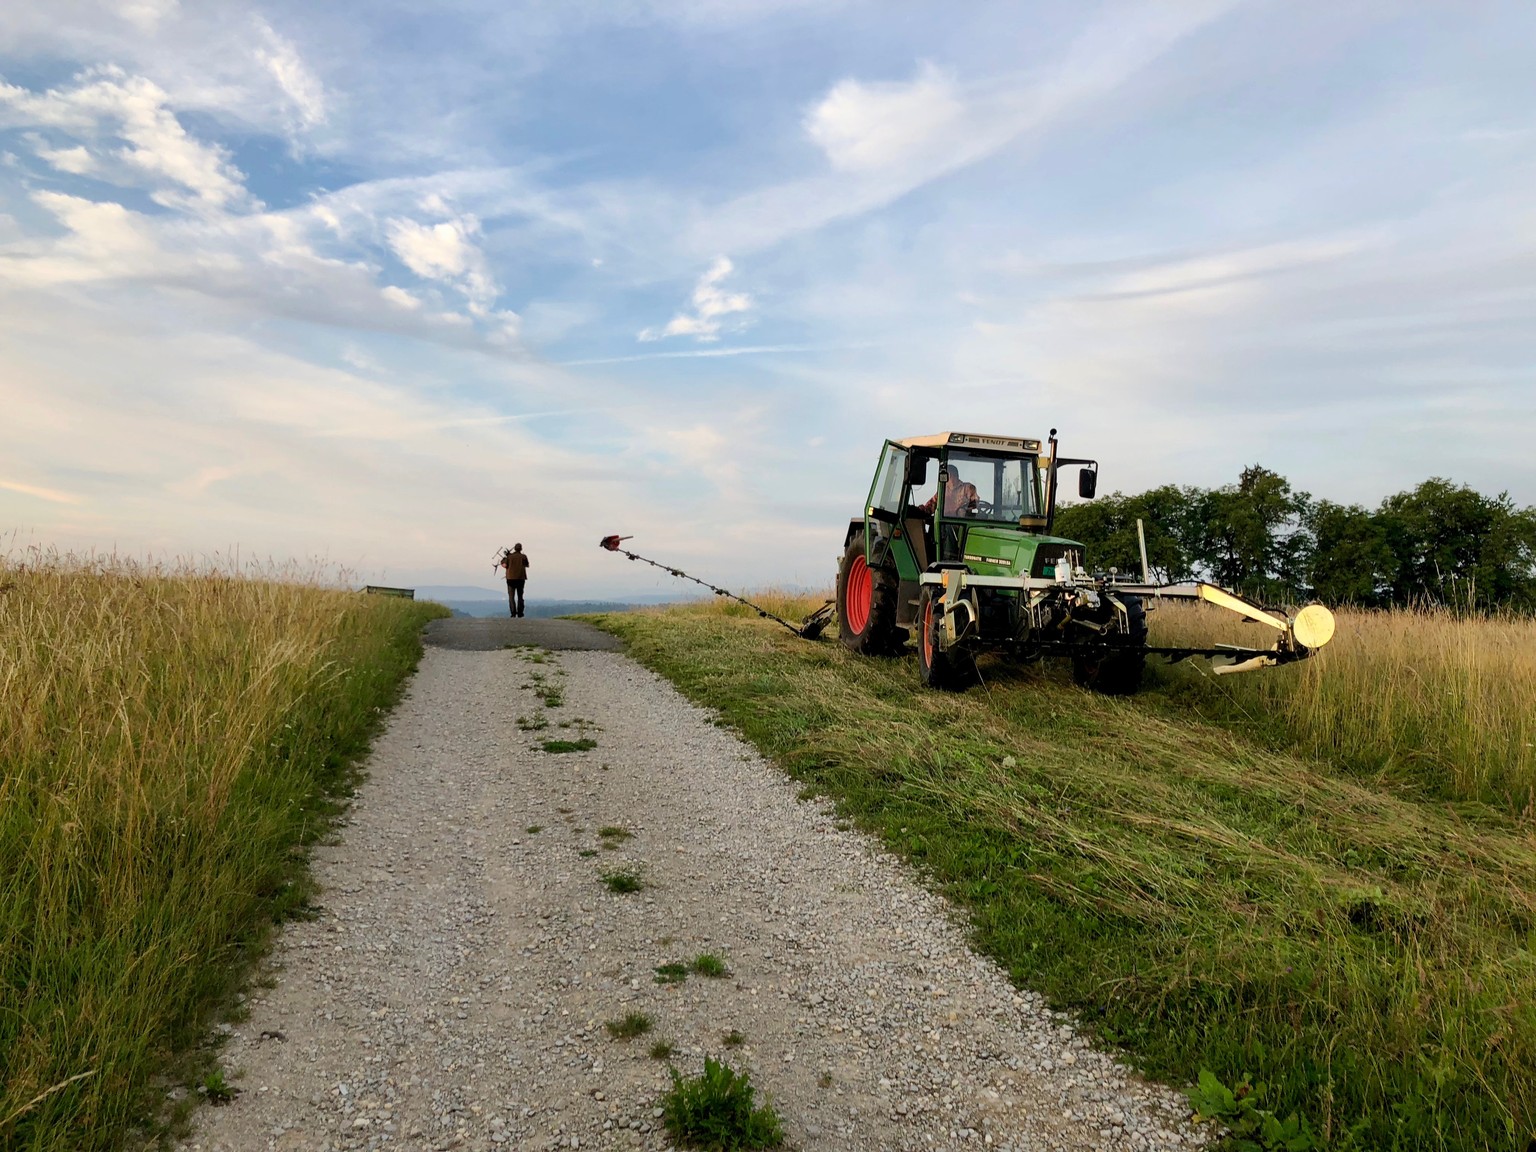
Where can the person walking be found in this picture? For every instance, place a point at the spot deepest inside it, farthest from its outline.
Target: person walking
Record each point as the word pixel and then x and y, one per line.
pixel 516 564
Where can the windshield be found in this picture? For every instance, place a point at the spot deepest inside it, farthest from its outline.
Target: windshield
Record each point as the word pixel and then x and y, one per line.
pixel 1006 487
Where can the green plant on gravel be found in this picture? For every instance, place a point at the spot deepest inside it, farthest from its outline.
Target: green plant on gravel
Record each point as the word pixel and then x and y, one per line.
pixel 628 1026
pixel 623 881
pixel 552 695
pixel 733 1039
pixel 612 835
pixel 533 829
pixel 662 1050
pixel 715 1111
pixel 708 964
pixel 533 723
pixel 587 852
pixel 1198 896
pixel 216 1088
pixel 585 744
pixel 671 973
pixel 1250 1127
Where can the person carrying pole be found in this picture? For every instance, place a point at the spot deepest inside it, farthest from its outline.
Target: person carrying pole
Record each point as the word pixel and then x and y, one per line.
pixel 515 563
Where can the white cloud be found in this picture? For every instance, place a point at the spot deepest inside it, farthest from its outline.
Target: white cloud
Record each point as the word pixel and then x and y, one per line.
pixel 866 126
pixel 400 298
pixel 447 253
pixel 885 140
pixel 293 76
pixel 710 303
pixel 76 161
pixel 108 106
pixel 146 15
pixel 52 495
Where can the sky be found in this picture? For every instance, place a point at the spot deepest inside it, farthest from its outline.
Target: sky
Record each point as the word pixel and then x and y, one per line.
pixel 379 288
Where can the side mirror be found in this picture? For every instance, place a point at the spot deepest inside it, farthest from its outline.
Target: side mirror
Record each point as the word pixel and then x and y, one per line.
pixel 1087 483
pixel 917 471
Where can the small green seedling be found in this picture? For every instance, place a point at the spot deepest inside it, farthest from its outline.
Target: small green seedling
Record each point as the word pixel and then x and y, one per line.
pixel 708 964
pixel 715 1110
pixel 733 1039
pixel 673 973
pixel 533 829
pixel 585 744
pixel 217 1089
pixel 623 881
pixel 662 1050
pixel 533 723
pixel 586 852
pixel 612 836
pixel 629 1026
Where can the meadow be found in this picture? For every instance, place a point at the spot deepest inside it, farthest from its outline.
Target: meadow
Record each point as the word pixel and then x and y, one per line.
pixel 1320 877
pixel 1435 702
pixel 171 740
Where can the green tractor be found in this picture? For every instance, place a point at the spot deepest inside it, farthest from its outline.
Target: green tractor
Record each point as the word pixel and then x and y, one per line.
pixel 955 545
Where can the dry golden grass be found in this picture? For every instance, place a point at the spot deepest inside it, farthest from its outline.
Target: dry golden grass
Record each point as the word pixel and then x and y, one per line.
pixel 1430 699
pixel 168 737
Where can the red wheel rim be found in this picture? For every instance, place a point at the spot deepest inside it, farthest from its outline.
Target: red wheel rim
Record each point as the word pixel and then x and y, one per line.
pixel 927 637
pixel 857 594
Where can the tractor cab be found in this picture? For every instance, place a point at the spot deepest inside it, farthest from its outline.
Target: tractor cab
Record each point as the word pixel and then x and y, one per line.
pixel 956 499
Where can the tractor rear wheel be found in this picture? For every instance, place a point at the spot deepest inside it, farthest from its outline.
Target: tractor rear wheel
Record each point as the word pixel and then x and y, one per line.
pixel 935 666
pixel 866 605
pixel 1116 669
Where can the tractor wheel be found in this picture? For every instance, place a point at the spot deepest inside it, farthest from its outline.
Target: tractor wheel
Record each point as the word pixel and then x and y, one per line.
pixel 866 606
pixel 1117 673
pixel 936 666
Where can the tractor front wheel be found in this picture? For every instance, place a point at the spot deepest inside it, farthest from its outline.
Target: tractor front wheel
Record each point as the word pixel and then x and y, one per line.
pixel 866 605
pixel 934 664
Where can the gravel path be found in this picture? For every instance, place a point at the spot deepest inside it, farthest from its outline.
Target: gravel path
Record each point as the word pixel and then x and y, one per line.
pixel 454 990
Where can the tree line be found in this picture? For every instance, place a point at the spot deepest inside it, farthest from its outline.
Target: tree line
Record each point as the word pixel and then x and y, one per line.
pixel 1440 543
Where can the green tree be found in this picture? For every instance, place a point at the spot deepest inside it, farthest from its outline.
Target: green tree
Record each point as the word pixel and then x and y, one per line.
pixel 1107 529
pixel 1252 535
pixel 1454 545
pixel 1351 559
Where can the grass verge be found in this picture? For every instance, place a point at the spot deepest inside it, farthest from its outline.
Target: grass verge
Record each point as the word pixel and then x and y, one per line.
pixel 170 742
pixel 1200 900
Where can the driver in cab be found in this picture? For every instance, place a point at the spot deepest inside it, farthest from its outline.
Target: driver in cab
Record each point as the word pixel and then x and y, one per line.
pixel 960 498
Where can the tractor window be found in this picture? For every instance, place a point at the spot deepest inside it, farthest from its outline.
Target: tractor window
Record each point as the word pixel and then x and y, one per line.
pixel 1007 487
pixel 886 494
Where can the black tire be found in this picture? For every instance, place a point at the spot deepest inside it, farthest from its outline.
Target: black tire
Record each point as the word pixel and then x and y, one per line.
pixel 936 667
pixel 1112 672
pixel 873 609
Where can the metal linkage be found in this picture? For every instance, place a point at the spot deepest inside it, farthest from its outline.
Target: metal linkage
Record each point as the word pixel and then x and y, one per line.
pixel 809 629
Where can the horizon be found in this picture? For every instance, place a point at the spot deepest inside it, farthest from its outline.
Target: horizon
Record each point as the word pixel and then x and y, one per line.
pixel 385 290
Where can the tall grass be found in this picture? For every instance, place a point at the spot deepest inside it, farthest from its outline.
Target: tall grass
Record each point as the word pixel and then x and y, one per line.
pixel 1199 898
pixel 1431 700
pixel 169 741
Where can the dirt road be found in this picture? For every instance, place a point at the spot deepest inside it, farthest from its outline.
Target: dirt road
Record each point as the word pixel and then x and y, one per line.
pixel 453 993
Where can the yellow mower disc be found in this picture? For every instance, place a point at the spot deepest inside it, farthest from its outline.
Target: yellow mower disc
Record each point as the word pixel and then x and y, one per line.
pixel 1313 626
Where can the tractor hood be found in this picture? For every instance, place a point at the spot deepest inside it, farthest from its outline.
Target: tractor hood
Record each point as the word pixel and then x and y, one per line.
pixel 1000 550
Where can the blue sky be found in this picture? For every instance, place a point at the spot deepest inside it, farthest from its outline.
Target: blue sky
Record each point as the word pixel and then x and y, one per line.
pixel 388 285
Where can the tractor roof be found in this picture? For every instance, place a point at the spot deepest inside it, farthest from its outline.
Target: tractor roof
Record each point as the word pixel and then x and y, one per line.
pixel 971 440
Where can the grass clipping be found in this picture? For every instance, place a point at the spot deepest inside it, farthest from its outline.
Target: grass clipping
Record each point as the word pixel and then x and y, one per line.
pixel 169 740
pixel 1205 899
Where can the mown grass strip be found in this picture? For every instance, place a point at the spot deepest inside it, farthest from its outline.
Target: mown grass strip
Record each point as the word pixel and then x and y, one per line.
pixel 170 743
pixel 1198 899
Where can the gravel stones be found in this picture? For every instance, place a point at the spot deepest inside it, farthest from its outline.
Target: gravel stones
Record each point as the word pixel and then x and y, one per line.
pixel 454 990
